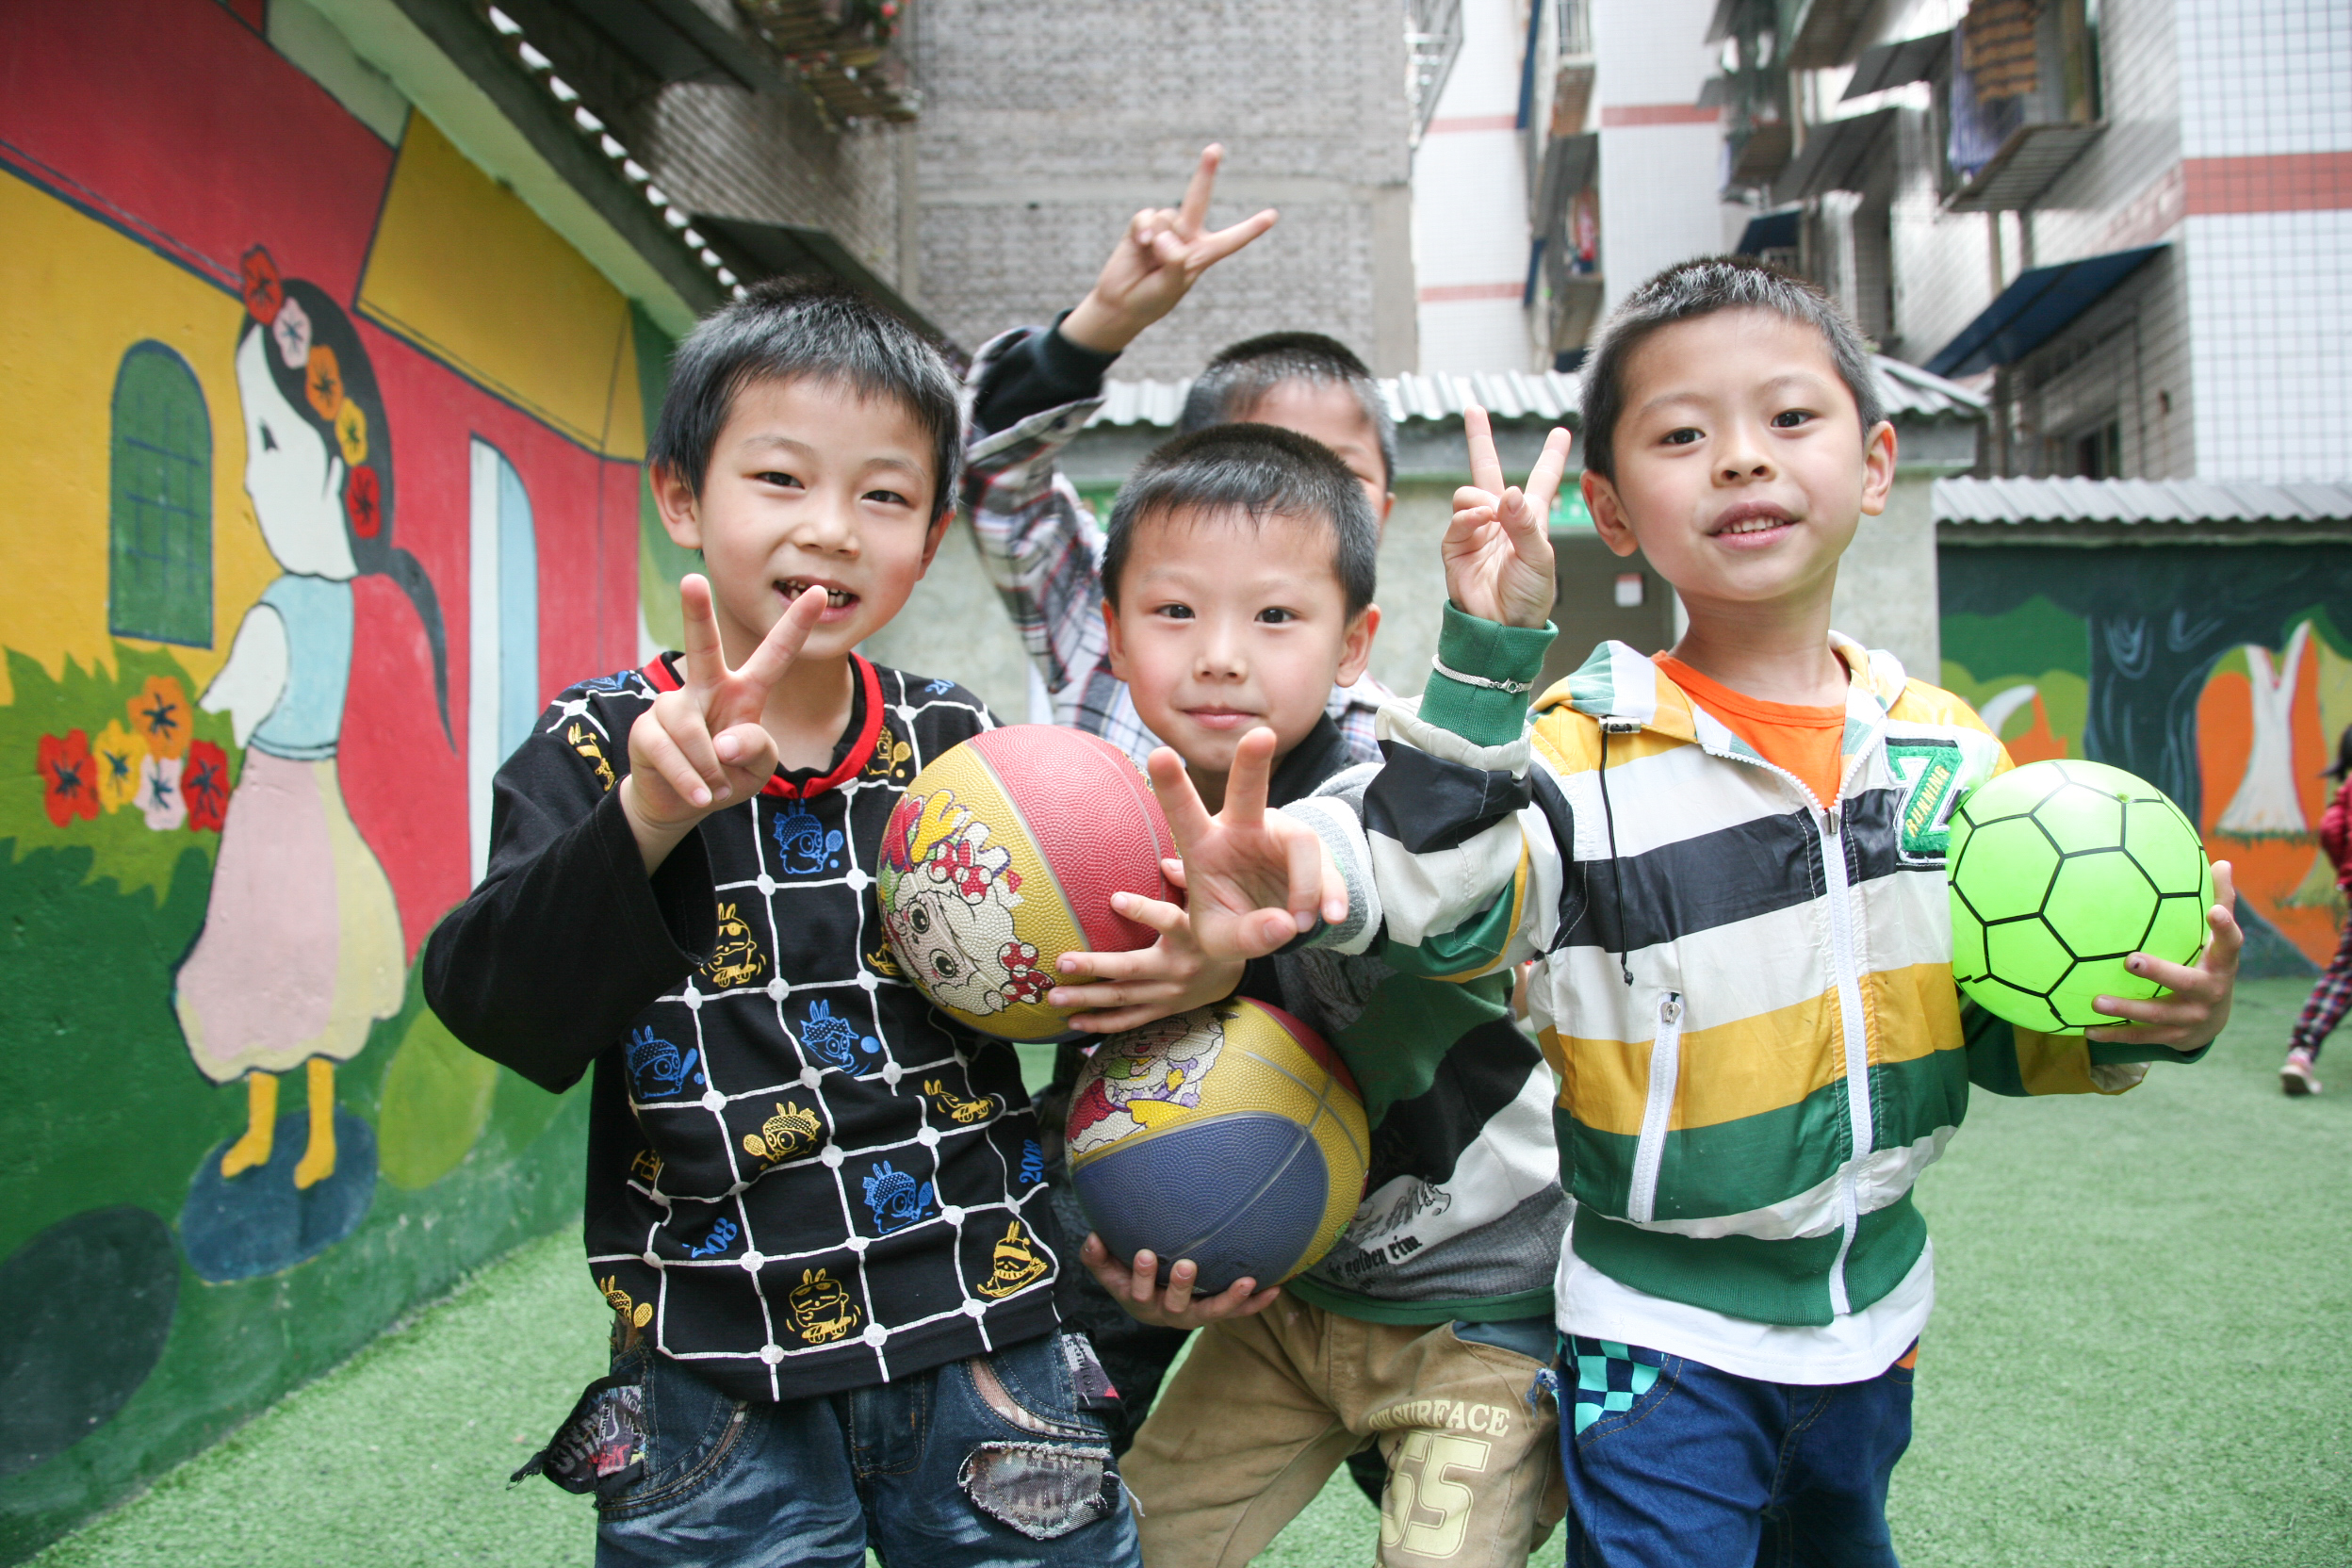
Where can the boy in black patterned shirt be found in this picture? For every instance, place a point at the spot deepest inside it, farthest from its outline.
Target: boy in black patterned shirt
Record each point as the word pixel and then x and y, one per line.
pixel 816 1207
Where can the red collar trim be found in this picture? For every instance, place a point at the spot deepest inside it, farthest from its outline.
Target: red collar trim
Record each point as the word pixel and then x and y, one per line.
pixel 662 678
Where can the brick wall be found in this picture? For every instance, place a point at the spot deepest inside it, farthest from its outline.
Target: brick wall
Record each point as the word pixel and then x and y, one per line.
pixel 1047 123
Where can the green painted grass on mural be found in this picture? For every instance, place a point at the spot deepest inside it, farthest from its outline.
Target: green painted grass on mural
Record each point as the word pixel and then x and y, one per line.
pixel 2138 1356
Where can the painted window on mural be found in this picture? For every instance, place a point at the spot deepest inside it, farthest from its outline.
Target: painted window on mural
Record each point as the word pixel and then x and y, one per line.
pixel 159 501
pixel 504 689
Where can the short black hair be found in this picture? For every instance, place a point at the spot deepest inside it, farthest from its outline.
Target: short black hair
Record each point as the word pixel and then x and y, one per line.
pixel 1704 286
pixel 1259 471
pixel 787 328
pixel 1233 384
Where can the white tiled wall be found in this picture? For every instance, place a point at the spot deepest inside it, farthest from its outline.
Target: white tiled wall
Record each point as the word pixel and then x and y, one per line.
pixel 1470 203
pixel 2270 293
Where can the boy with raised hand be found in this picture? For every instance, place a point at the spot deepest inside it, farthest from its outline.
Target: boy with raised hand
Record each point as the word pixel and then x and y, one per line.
pixel 1728 862
pixel 816 1207
pixel 1238 571
pixel 1032 389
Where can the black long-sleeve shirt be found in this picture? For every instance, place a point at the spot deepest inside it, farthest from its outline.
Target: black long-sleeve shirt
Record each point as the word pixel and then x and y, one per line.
pixel 801 1177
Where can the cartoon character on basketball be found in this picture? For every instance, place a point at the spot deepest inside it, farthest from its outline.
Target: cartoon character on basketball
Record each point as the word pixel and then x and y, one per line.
pixel 948 897
pixel 1145 1071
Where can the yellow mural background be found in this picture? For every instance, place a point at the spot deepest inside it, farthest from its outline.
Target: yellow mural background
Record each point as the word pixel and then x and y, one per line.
pixel 461 268
pixel 80 295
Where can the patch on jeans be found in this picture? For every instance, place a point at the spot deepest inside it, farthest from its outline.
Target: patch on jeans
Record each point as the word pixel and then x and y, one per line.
pixel 602 1444
pixel 1042 1490
pixel 1087 1380
pixel 1609 1377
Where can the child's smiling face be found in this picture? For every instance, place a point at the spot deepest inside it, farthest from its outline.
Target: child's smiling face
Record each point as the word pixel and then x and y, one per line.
pixel 1742 469
pixel 810 485
pixel 1224 625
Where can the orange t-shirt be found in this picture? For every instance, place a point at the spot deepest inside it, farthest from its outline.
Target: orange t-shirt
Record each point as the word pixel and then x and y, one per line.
pixel 1808 742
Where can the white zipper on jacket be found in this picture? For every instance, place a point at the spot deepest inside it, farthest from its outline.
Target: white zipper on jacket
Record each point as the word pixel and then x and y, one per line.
pixel 1848 964
pixel 1665 1071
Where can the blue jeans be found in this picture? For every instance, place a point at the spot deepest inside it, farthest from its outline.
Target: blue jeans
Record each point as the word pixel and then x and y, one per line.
pixel 1671 1464
pixel 991 1462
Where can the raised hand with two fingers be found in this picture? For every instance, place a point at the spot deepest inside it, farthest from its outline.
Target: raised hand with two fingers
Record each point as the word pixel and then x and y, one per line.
pixel 1255 880
pixel 1499 548
pixel 1157 261
pixel 702 747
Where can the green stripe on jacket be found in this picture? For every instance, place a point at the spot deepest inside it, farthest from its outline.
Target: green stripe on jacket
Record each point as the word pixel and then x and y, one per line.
pixel 1734 1167
pixel 1764 1281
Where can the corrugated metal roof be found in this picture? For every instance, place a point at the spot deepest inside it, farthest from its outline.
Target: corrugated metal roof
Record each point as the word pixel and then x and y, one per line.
pixel 1907 391
pixel 2138 500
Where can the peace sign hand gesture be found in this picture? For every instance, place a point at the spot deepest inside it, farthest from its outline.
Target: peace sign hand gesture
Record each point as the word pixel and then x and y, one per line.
pixel 1499 548
pixel 1156 262
pixel 702 747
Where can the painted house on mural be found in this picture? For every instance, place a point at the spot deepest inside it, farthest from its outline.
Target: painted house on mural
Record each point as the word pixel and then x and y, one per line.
pixel 328 340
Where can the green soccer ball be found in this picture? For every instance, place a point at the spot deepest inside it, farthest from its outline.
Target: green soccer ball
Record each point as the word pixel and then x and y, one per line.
pixel 2059 871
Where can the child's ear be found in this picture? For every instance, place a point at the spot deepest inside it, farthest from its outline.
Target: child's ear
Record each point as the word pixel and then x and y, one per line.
pixel 682 518
pixel 1878 468
pixel 1118 649
pixel 1355 648
pixel 933 540
pixel 1608 514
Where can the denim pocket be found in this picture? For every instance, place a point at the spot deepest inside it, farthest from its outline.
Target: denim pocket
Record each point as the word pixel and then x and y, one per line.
pixel 1054 1475
pixel 1608 1385
pixel 1050 1387
pixel 690 1430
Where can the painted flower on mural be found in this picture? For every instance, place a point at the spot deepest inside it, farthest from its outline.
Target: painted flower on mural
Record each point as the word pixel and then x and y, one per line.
pixel 350 432
pixel 264 291
pixel 159 798
pixel 322 382
pixel 291 332
pixel 363 499
pixel 117 756
pixel 68 777
pixel 205 785
pixel 159 716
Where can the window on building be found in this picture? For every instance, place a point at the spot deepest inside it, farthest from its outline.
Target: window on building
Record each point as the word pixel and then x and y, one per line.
pixel 159 501
pixel 2098 451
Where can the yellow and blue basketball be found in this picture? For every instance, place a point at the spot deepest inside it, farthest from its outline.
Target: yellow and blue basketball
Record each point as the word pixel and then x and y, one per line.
pixel 1003 855
pixel 1231 1134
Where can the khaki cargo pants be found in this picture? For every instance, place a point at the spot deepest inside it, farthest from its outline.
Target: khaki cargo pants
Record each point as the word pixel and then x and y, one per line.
pixel 1266 1408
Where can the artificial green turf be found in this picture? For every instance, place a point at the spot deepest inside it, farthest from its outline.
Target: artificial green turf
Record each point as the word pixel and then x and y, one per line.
pixel 2139 1356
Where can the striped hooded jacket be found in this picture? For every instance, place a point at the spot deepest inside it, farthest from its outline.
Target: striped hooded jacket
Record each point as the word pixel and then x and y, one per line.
pixel 1746 993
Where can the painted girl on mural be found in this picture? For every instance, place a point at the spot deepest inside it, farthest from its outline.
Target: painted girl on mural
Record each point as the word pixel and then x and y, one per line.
pixel 300 951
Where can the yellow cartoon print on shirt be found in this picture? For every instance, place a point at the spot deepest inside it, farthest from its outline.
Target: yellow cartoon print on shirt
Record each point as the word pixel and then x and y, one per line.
pixel 822 1309
pixel 1014 1263
pixel 736 960
pixel 791 1131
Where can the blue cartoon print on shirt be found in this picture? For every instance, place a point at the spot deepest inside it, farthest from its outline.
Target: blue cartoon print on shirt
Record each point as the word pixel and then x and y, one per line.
pixel 1032 1163
pixel 807 849
pixel 936 688
pixel 895 1197
pixel 659 1068
pixel 834 1040
pixel 619 681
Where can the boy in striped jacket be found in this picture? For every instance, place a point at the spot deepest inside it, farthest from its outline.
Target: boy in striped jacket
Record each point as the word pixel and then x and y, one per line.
pixel 1728 863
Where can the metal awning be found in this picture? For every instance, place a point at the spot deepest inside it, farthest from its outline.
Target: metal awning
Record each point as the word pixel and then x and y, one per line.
pixel 2035 308
pixel 2026 166
pixel 1898 64
pixel 1770 231
pixel 675 40
pixel 782 248
pixel 1821 30
pixel 1834 151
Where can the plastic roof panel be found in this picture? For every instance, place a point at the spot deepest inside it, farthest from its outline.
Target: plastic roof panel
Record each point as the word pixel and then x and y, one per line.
pixel 2138 500
pixel 1908 393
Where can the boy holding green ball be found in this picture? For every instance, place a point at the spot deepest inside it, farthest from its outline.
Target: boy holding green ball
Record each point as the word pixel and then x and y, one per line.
pixel 1728 863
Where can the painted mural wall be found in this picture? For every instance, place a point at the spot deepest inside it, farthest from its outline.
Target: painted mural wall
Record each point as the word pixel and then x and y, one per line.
pixel 320 459
pixel 2221 673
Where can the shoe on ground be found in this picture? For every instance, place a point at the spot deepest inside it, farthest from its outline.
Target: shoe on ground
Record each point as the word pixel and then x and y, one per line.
pixel 2297 1076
